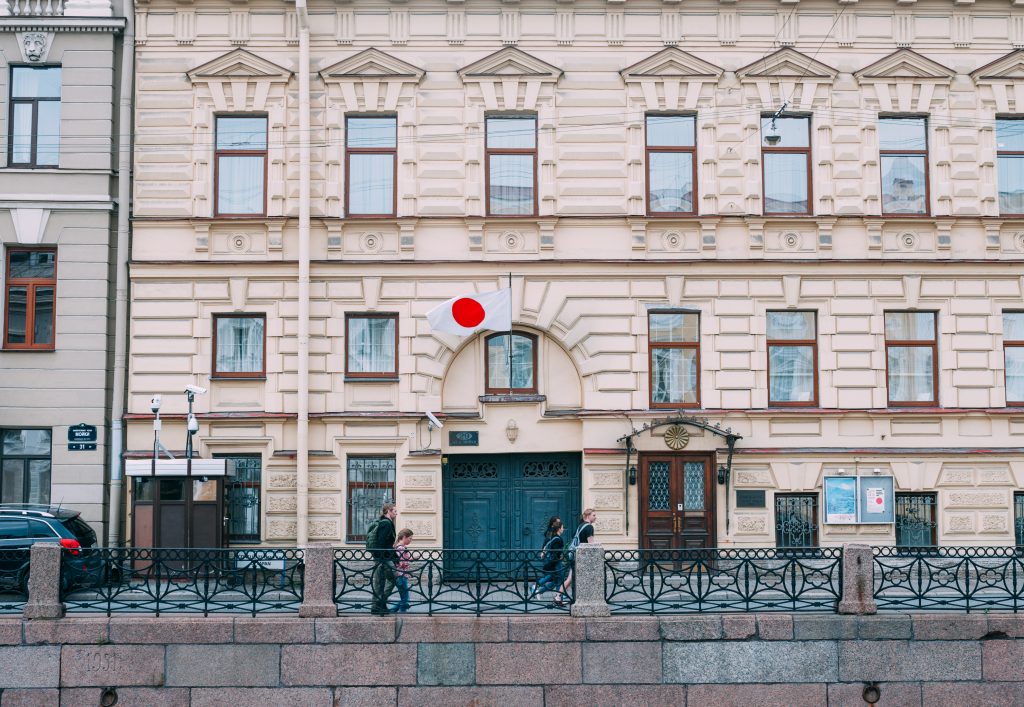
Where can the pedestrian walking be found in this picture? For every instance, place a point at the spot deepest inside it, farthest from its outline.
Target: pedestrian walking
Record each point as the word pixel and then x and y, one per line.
pixel 551 553
pixel 380 541
pixel 584 534
pixel 402 557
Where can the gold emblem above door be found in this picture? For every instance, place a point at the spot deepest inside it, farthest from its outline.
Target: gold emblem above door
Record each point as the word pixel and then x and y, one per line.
pixel 676 437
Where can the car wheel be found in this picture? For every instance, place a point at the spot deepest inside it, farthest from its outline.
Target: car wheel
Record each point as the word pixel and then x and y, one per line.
pixel 23 581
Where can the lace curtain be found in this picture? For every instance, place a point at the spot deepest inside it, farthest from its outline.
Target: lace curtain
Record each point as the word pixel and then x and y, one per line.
pixel 240 345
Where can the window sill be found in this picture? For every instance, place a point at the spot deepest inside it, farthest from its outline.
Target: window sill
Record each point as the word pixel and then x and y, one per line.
pixel 515 398
pixel 27 349
pixel 371 379
pixel 238 378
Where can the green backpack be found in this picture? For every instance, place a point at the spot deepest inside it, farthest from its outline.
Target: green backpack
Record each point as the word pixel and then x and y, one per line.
pixel 371 535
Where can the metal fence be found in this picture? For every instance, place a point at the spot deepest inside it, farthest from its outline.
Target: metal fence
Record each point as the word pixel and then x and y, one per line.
pixel 716 580
pixel 949 578
pixel 455 581
pixel 13 580
pixel 120 580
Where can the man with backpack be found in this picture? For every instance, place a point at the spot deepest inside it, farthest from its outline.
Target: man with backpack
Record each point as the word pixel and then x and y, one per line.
pixel 584 534
pixel 380 541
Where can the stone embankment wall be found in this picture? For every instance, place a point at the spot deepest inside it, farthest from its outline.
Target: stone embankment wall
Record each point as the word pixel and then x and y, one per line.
pixel 765 659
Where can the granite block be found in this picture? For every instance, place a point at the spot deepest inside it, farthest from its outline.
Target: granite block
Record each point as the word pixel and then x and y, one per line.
pixel 528 664
pixel 909 660
pixel 544 629
pixel 161 630
pixel 223 666
pixel 750 662
pixel 622 663
pixel 41 697
pixel 10 632
pixel 100 666
pixel 647 628
pixel 64 631
pixel 354 664
pixel 356 629
pixel 1010 624
pixel 691 628
pixel 949 627
pixel 445 664
pixel 987 694
pixel 454 629
pixel 475 696
pixel 739 627
pixel 274 630
pixel 366 697
pixel 775 627
pixel 885 627
pixel 892 694
pixel 1001 660
pixel 261 696
pixel 614 695
pixel 793 695
pixel 824 628
pixel 126 697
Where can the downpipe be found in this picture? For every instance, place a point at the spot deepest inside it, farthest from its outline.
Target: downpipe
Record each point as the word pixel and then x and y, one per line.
pixel 302 432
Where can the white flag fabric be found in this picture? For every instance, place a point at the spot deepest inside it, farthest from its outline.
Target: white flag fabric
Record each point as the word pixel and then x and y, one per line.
pixel 468 314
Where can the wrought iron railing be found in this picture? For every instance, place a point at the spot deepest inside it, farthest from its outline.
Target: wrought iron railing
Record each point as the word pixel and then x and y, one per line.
pixel 114 580
pixel 14 565
pixel 949 578
pixel 455 581
pixel 716 580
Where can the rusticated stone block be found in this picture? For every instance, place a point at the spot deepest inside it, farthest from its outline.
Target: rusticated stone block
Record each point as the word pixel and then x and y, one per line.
pixel 318 574
pixel 1010 624
pixel 454 629
pixel 44 582
pixel 208 629
pixel 63 631
pixel 482 696
pixel 622 663
pixel 775 627
pixel 691 628
pixel 949 627
pixel 858 580
pixel 750 662
pixel 647 628
pixel 1002 660
pixel 223 666
pixel 546 629
pixel 356 629
pixel 528 664
pixel 348 664
pixel 989 694
pixel 273 630
pixel 366 697
pixel 261 696
pixel 909 660
pixel 10 633
pixel 824 628
pixel 126 697
pixel 739 627
pixel 573 695
pixel 99 666
pixel 887 627
pixel 797 695
pixel 445 664
pixel 589 582
pixel 42 697
pixel 893 694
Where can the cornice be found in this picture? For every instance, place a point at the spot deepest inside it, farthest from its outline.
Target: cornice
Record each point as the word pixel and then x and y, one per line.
pixel 62 24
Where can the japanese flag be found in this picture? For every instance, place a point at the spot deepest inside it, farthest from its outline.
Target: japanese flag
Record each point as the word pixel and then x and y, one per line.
pixel 467 314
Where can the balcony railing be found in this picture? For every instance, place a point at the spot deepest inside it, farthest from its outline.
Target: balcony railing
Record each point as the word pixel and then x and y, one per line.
pixel 32 8
pixel 455 581
pixel 13 580
pixel 714 580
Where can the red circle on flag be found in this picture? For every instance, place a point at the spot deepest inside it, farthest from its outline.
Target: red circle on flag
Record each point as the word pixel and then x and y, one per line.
pixel 467 312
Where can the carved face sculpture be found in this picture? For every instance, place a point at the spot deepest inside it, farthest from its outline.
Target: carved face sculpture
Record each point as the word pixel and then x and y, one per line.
pixel 35 46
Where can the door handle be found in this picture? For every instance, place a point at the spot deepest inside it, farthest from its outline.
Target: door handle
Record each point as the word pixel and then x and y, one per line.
pixel 526 530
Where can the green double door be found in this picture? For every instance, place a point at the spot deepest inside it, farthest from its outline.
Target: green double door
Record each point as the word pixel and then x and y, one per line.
pixel 504 501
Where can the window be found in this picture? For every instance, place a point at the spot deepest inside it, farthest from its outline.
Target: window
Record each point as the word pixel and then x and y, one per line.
pixel 20 529
pixel 239 344
pixel 242 497
pixel 31 291
pixel 792 358
pixel 371 484
pixel 372 343
pixel 915 520
pixel 796 520
pixel 911 354
pixel 1018 518
pixel 35 116
pixel 1013 353
pixel 371 165
pixel 903 144
pixel 25 466
pixel 511 165
pixel 786 164
pixel 671 164
pixel 1010 161
pixel 241 165
pixel 674 344
pixel 515 371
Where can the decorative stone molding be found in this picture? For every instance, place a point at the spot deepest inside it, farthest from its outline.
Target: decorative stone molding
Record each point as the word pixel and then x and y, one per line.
pixel 510 79
pixel 35 46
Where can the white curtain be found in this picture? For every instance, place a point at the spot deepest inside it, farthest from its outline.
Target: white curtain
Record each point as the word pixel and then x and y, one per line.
pixel 371 186
pixel 240 184
pixel 674 375
pixel 371 346
pixel 910 374
pixel 239 344
pixel 792 374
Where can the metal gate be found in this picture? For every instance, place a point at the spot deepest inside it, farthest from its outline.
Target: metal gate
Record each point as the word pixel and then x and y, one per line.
pixel 499 501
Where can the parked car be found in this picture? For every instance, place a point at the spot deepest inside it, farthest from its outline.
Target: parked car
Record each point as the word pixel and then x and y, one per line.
pixel 24 525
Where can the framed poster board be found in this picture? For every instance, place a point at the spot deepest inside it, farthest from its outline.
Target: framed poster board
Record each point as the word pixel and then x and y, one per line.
pixel 859 500
pixel 840 500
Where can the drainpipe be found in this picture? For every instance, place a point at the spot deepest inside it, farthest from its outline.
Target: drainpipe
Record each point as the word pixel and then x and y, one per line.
pixel 124 185
pixel 302 446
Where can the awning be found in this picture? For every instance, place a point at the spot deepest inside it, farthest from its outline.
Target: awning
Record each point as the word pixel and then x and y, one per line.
pixel 176 467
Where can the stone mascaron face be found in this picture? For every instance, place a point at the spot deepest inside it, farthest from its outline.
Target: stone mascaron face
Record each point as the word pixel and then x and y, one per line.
pixel 35 45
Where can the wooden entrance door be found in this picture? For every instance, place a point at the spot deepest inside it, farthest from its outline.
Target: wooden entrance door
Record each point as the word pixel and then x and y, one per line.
pixel 677 502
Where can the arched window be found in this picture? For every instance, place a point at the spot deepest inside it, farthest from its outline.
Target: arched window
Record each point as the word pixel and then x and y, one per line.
pixel 512 371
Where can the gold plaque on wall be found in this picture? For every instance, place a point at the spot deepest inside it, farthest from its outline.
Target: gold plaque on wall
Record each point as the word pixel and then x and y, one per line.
pixel 676 437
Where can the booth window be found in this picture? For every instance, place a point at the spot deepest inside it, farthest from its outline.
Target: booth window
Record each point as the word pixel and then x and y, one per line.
pixel 903 147
pixel 371 484
pixel 792 358
pixel 371 165
pixel 511 148
pixel 915 520
pixel 30 299
pixel 1013 354
pixel 25 466
pixel 372 344
pixel 242 497
pixel 796 520
pixel 515 373
pixel 671 164
pixel 241 165
pixel 239 343
pixel 674 350
pixel 911 352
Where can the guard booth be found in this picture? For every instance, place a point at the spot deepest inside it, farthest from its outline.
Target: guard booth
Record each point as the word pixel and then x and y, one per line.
pixel 173 508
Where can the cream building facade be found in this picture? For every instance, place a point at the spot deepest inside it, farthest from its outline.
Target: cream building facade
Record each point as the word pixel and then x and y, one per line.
pixel 640 304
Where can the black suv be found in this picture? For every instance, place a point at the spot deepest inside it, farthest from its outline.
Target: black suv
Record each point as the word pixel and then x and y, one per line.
pixel 23 525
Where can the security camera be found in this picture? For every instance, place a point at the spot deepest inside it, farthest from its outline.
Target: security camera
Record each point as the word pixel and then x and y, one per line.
pixel 154 404
pixel 433 420
pixel 193 424
pixel 195 389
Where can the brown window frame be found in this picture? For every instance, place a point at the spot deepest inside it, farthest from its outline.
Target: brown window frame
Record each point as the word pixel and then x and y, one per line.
pixel 490 151
pixel 349 485
pixel 1011 344
pixel 671 345
pixel 913 153
pixel 393 151
pixel 487 365
pixel 34 102
pixel 813 343
pixel 31 285
pixel 914 343
pixel 218 153
pixel 1018 154
pixel 768 149
pixel 370 375
pixel 262 373
pixel 692 150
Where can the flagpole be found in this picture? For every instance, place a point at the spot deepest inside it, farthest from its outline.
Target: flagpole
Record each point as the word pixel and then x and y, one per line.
pixel 510 333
